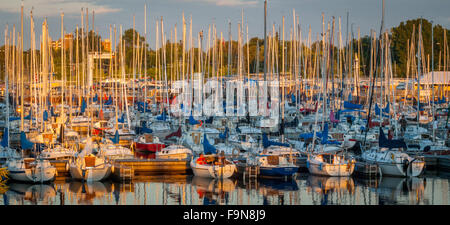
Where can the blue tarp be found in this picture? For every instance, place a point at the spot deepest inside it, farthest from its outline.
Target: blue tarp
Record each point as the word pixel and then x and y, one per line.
pixel 83 106
pixel 115 140
pixel 162 117
pixel 5 137
pixel 267 142
pixel 145 129
pixel 207 147
pixel 24 142
pixel 325 137
pixel 122 118
pixel 14 118
pixel 224 134
pixel 349 105
pixel 95 98
pixel 192 121
pixel 384 142
pixel 45 115
pixel 209 120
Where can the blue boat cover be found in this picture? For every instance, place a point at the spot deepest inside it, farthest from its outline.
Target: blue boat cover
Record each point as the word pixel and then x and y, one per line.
pixel 224 134
pixel 267 142
pixel 45 115
pixel 24 142
pixel 207 147
pixel 5 137
pixel 349 105
pixel 162 117
pixel 325 137
pixel 192 121
pixel 95 98
pixel 145 129
pixel 384 142
pixel 122 118
pixel 83 106
pixel 115 140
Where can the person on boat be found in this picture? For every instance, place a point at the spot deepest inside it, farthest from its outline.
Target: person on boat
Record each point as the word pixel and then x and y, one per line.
pixel 390 134
pixel 201 160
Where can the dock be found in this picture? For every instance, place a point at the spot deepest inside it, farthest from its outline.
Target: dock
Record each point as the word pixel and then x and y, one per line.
pixel 155 166
pixel 62 167
pixel 366 169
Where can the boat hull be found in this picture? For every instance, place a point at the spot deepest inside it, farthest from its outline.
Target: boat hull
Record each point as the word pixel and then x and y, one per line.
pixel 334 170
pixel 38 175
pixel 212 171
pixel 90 173
pixel 153 147
pixel 278 171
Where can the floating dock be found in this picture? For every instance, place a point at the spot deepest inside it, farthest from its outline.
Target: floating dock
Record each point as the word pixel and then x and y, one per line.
pixel 366 169
pixel 155 166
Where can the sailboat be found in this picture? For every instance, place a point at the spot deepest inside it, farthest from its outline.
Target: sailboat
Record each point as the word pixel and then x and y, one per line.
pixel 210 167
pixel 34 170
pixel 88 167
pixel 392 160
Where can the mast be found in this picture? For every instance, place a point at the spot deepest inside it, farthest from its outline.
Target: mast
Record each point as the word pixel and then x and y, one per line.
pixel 21 69
pixel 265 40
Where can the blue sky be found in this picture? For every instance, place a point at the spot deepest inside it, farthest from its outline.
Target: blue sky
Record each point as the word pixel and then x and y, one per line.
pixel 365 14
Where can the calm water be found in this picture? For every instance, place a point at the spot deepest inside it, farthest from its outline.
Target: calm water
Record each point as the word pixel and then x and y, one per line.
pixel 431 188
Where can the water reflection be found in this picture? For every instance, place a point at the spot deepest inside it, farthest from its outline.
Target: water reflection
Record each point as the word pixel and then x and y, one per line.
pixel 395 190
pixel 214 191
pixel 326 186
pixel 34 194
pixel 305 189
pixel 86 192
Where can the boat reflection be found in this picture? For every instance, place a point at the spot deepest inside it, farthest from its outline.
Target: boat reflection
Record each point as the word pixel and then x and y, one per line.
pixel 214 191
pixel 24 193
pixel 86 192
pixel 326 186
pixel 274 191
pixel 398 190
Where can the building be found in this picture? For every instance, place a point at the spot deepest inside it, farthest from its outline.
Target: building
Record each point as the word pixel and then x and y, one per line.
pixel 68 38
pixel 106 45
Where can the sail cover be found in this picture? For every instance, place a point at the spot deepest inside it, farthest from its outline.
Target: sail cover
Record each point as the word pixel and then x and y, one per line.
pixel 267 142
pixel 25 144
pixel 207 147
pixel 384 142
pixel 5 137
pixel 349 105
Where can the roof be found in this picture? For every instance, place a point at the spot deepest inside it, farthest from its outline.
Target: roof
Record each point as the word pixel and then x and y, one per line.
pixel 440 77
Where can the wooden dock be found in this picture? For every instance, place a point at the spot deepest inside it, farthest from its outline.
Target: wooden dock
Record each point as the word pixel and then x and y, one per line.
pixel 122 173
pixel 155 166
pixel 62 167
pixel 366 169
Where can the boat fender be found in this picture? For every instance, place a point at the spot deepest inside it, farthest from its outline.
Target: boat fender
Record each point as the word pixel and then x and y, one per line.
pixel 67 166
pixel 307 164
pixel 112 168
pixel 320 167
pixel 392 156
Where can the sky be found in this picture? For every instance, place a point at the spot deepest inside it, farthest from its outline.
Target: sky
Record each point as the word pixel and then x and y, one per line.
pixel 363 14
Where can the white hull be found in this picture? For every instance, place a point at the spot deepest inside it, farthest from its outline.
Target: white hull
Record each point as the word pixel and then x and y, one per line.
pixel 212 171
pixel 90 173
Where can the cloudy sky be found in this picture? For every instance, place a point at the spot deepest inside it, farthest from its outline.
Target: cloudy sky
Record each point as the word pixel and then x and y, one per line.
pixel 365 14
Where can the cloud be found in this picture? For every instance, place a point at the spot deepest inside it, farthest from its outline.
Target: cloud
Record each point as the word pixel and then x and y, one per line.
pixel 54 7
